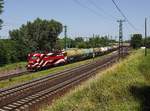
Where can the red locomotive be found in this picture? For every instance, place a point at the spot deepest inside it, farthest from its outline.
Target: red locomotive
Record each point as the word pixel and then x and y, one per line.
pixel 38 61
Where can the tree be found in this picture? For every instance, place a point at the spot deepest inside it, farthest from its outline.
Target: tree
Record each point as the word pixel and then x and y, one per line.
pixel 39 35
pixel 105 41
pixel 1 10
pixel 79 42
pixel 81 45
pixel 8 52
pixel 79 39
pixel 70 43
pixel 147 42
pixel 136 41
pixel 98 41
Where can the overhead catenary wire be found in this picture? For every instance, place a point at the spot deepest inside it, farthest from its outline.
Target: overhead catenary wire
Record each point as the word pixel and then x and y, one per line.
pixel 101 9
pixel 90 9
pixel 121 12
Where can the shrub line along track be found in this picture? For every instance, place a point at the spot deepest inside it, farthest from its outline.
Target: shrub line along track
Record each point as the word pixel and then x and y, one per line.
pixel 31 93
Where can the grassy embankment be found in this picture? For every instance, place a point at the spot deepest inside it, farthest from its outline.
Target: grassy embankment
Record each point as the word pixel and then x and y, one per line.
pixel 124 87
pixel 31 76
pixel 14 66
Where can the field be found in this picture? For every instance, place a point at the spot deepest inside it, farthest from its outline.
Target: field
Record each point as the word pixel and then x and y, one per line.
pixel 124 87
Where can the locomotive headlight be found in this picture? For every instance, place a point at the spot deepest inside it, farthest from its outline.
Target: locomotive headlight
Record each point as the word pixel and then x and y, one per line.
pixel 30 62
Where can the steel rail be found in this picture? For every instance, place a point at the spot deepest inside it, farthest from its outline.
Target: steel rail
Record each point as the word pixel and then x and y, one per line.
pixel 9 76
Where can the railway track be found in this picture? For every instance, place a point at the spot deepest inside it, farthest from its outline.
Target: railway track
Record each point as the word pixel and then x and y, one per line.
pixel 25 96
pixel 9 76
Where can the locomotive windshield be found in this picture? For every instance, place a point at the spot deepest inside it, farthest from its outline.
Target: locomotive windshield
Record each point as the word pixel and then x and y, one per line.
pixel 34 57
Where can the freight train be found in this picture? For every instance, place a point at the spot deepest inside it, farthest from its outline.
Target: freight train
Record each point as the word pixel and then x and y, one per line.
pixel 38 61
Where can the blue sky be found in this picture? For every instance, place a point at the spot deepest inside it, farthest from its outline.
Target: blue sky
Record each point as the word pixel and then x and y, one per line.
pixel 82 20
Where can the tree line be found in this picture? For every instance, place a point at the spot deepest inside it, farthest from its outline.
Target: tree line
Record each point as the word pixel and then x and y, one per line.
pixel 87 42
pixel 137 41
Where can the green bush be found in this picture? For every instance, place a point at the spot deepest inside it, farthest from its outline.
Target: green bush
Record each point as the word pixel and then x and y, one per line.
pixel 8 52
pixel 136 41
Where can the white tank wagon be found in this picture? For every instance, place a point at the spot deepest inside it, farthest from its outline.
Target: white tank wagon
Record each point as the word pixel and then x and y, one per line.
pixel 75 54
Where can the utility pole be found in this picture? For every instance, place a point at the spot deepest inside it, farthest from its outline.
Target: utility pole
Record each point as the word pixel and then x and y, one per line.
pixel 65 34
pixel 120 37
pixel 93 47
pixel 145 36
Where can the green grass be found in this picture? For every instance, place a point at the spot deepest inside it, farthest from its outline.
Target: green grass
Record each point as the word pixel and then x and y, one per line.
pixel 124 87
pixel 25 78
pixel 14 66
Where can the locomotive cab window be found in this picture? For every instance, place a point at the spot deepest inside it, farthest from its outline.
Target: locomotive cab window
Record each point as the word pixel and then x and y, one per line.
pixel 34 57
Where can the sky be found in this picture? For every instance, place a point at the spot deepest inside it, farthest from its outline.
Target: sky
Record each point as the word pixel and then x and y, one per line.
pixel 82 17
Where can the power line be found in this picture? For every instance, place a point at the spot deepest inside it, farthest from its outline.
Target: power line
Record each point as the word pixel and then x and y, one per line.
pixel 84 6
pixel 101 9
pixel 123 15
